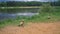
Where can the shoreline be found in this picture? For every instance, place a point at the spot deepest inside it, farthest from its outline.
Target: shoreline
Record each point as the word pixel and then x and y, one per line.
pixel 18 7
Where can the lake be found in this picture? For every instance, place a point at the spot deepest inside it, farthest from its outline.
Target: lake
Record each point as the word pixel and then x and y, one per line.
pixel 13 13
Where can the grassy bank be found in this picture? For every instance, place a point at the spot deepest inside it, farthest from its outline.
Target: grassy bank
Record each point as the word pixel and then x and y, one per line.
pixel 42 17
pixel 25 7
pixel 20 7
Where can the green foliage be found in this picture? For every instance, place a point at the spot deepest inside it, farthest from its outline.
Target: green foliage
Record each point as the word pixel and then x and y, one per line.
pixel 13 3
pixel 56 3
pixel 32 3
pixel 46 8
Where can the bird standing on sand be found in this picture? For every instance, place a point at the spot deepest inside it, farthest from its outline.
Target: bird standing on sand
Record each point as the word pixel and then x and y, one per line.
pixel 21 23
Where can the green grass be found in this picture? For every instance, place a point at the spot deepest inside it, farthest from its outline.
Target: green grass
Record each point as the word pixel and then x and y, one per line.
pixel 43 17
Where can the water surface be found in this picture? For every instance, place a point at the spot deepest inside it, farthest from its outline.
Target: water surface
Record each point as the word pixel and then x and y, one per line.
pixel 13 13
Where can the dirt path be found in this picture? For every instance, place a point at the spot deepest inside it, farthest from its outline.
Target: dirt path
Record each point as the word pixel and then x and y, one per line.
pixel 33 28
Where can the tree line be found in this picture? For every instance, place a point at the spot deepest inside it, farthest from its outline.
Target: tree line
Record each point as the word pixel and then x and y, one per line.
pixel 32 3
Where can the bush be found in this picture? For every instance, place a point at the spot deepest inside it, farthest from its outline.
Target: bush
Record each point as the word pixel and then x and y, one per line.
pixel 46 8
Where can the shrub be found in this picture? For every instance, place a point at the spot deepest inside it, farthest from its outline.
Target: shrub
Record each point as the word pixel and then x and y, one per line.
pixel 46 8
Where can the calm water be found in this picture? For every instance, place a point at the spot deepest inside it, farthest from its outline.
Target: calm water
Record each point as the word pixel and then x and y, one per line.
pixel 20 10
pixel 13 13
